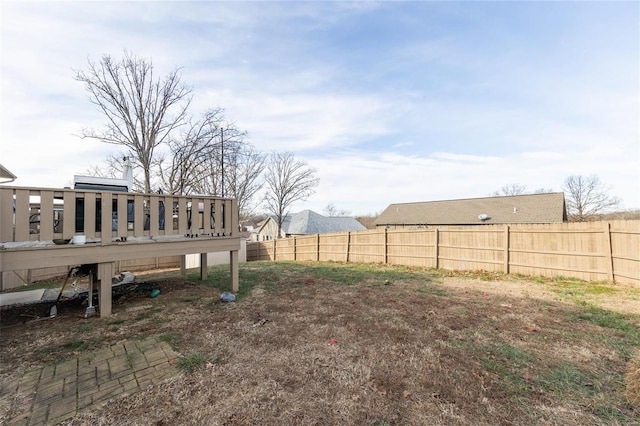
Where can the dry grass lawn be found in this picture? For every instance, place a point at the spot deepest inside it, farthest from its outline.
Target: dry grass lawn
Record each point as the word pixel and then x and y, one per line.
pixel 345 344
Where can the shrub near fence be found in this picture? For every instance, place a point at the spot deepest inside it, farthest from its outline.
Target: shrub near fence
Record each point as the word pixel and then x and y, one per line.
pixel 592 251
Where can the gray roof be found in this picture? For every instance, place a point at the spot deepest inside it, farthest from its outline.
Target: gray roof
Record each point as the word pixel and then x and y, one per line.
pixel 531 208
pixel 310 222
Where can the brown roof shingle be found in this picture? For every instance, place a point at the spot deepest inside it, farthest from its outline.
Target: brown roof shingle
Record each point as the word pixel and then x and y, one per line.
pixel 531 208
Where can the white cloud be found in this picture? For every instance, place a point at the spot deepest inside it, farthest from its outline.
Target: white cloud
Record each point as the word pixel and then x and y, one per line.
pixel 378 179
pixel 432 113
pixel 305 121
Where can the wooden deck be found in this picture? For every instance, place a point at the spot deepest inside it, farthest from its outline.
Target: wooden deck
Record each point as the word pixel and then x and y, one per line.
pixel 116 225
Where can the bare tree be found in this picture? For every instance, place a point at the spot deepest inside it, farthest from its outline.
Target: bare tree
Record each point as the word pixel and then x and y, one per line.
pixel 226 144
pixel 332 210
pixel 244 177
pixel 191 153
pixel 587 196
pixel 368 220
pixel 511 189
pixel 211 157
pixel 287 180
pixel 114 168
pixel 141 111
pixel 111 169
pixel 630 214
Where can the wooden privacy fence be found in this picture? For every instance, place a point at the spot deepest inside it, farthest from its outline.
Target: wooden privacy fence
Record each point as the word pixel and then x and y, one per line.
pixel 592 251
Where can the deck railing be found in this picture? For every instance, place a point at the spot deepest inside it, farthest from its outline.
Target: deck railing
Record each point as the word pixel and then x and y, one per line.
pixel 42 214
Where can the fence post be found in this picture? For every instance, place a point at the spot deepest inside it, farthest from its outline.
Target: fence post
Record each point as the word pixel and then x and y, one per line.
pixel 294 249
pixel 506 249
pixel 346 257
pixel 436 237
pixel 608 250
pixel 274 250
pixel 317 247
pixel 385 245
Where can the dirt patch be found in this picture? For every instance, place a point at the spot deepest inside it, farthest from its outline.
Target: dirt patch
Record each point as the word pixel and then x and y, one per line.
pixel 390 347
pixel 633 382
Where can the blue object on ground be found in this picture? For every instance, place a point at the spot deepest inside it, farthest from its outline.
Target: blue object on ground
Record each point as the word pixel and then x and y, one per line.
pixel 227 297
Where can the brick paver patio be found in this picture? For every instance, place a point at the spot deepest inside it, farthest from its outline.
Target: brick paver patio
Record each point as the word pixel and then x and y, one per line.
pixel 58 392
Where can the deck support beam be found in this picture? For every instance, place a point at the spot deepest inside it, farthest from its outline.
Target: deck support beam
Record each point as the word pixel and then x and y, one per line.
pixel 233 266
pixel 203 266
pixel 183 266
pixel 104 275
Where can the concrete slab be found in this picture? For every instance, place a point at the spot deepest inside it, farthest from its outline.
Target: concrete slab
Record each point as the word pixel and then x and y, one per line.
pixel 51 294
pixel 21 297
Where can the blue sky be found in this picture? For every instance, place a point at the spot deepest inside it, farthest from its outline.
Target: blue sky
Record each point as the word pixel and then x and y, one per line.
pixel 390 101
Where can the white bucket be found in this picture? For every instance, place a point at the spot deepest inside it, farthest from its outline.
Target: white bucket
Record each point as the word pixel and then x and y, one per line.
pixel 79 239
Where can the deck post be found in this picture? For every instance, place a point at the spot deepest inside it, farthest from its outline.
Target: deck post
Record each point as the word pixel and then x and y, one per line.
pixel 104 275
pixel 233 266
pixel 183 265
pixel 203 266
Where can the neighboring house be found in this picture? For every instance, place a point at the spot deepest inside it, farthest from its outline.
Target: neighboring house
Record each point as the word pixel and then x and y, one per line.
pixel 6 176
pixel 247 225
pixel 532 208
pixel 247 228
pixel 304 223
